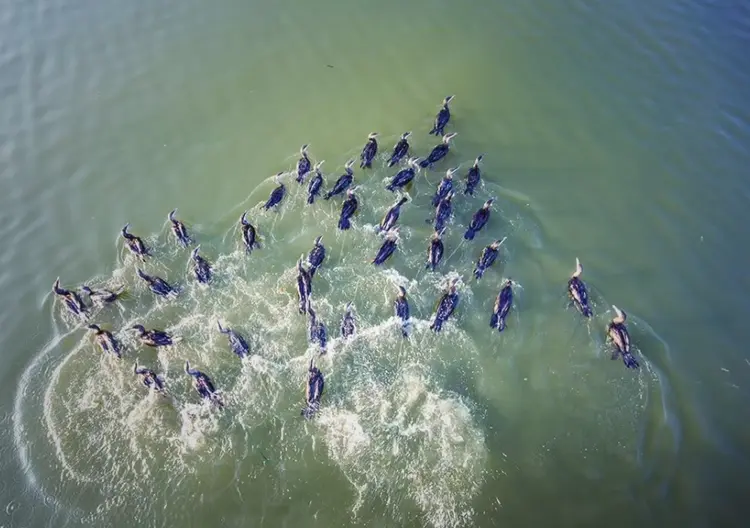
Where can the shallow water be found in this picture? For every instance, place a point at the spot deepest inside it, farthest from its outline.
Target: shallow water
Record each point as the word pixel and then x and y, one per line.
pixel 616 132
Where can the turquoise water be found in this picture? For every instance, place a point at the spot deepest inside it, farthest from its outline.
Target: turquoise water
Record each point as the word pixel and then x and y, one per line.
pixel 616 132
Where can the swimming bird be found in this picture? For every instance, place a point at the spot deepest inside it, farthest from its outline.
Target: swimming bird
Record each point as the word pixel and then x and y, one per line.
pixel 442 117
pixel 303 165
pixel 236 342
pixel 503 304
pixel 400 150
pixel 401 308
pixel 277 194
pixel 179 230
pixel 316 184
pixel 473 177
pixel 158 285
pixel 72 300
pixel 439 151
pixel 479 220
pixel 313 390
pixel 618 334
pixel 317 331
pixel 435 251
pixel 102 296
pixel 391 217
pixel 444 188
pixel 369 151
pixel 304 286
pixel 249 233
pixel 404 176
pixel 203 385
pixel 443 212
pixel 348 324
pixel 106 340
pixel 387 248
pixel 344 181
pixel 446 306
pixel 135 244
pixel 348 209
pixel 577 291
pixel 201 267
pixel 149 378
pixel 153 337
pixel 487 258
pixel 317 256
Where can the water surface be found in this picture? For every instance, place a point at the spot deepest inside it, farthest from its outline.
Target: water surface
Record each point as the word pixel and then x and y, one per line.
pixel 616 132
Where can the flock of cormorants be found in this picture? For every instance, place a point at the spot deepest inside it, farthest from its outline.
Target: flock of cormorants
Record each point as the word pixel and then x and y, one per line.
pixel 617 332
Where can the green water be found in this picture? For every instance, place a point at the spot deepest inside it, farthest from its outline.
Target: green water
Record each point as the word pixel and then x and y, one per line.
pixel 615 132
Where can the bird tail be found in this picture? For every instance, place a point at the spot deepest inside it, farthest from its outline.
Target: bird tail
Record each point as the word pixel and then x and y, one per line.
pixel 469 235
pixel 310 199
pixel 424 163
pixel 436 325
pixel 328 195
pixel 478 272
pixel 629 360
pixel 494 321
pixel 344 223
pixel 434 131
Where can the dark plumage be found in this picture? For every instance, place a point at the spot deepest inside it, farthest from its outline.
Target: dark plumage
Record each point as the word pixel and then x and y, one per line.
pixel 391 216
pixel 401 308
pixel 236 342
pixel 443 212
pixel 303 165
pixel 344 181
pixel 400 150
pixel 473 177
pixel 135 244
pixel 479 220
pixel 153 337
pixel 502 307
pixel 317 256
pixel 249 233
pixel 446 307
pixel 438 152
pixel 179 230
pixel 435 251
pixel 404 177
pixel 369 151
pixel 158 285
pixel 387 248
pixel 487 258
pixel 348 208
pixel 277 195
pixel 201 267
pixel 577 291
pixel 442 117
pixel 316 184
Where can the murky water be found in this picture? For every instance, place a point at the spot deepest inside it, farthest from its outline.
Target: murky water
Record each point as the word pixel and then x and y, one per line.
pixel 615 132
